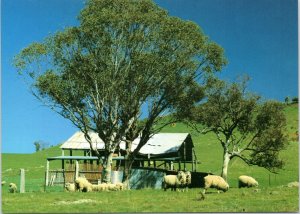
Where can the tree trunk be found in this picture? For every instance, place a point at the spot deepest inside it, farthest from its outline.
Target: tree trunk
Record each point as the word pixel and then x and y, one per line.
pixel 226 160
pixel 127 168
pixel 106 173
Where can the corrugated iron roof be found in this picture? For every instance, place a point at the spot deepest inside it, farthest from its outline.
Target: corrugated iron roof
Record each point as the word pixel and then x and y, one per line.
pixel 160 143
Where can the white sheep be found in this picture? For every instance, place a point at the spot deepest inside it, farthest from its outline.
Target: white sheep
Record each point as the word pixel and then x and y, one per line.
pixel 188 176
pixel 70 187
pixel 83 185
pixel 120 186
pixel 247 181
pixel 174 181
pixel 3 182
pixel 215 181
pixel 293 184
pixel 100 187
pixel 112 187
pixel 13 188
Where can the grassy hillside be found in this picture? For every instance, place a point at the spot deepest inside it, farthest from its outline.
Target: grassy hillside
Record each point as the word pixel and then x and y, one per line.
pixel 208 151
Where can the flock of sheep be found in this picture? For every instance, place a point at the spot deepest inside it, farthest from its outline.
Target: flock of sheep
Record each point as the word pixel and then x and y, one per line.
pixel 83 185
pixel 181 181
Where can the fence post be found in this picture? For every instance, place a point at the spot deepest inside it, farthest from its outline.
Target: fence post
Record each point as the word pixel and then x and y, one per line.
pixel 22 181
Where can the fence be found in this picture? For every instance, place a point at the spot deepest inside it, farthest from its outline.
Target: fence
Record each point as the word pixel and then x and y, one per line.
pixel 91 172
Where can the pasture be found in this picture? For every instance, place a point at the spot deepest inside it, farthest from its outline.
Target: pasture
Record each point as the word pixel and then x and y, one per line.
pixel 275 199
pixel 273 195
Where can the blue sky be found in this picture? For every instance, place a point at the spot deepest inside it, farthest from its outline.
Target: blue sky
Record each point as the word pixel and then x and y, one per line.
pixel 259 38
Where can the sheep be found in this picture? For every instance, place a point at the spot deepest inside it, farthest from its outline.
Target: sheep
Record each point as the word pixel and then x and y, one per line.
pixel 83 185
pixel 247 181
pixel 113 187
pixel 188 176
pixel 100 187
pixel 70 187
pixel 12 188
pixel 3 183
pixel 174 181
pixel 120 186
pixel 293 184
pixel 215 181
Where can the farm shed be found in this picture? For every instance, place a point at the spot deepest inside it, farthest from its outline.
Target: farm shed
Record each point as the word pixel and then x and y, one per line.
pixel 168 147
pixel 161 153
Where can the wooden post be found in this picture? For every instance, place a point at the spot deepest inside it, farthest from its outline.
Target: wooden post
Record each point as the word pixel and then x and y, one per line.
pixel 179 165
pixel 171 165
pixel 76 169
pixel 165 165
pixel 193 160
pixel 22 181
pixel 154 164
pixel 63 164
pixel 47 173
pixel 184 155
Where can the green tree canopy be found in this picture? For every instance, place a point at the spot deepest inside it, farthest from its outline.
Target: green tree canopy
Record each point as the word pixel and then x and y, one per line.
pixel 124 54
pixel 246 127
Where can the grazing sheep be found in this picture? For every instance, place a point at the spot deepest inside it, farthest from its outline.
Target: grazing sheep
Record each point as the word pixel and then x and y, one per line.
pixel 12 188
pixel 188 176
pixel 3 182
pixel 113 187
pixel 174 181
pixel 120 186
pixel 215 181
pixel 70 187
pixel 293 184
pixel 247 181
pixel 83 185
pixel 100 187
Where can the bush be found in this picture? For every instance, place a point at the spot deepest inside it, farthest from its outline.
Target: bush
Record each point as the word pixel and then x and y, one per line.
pixel 295 100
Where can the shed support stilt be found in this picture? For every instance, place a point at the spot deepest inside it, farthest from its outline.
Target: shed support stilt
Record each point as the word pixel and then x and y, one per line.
pixel 194 160
pixel 76 169
pixel 47 174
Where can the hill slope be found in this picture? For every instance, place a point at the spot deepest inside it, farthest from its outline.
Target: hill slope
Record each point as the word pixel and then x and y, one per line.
pixel 207 150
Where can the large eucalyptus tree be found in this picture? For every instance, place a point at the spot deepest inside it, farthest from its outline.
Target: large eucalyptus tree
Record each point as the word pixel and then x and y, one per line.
pixel 124 55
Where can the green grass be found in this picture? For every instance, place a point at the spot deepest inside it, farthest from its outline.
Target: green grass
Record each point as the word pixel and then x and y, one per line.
pixel 148 200
pixel 273 197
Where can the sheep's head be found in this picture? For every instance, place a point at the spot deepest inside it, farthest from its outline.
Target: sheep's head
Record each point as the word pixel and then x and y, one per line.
pixel 226 188
pixel 188 176
pixel 181 177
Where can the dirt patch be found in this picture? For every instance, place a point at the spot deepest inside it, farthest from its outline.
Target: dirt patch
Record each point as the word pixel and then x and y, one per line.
pixel 81 201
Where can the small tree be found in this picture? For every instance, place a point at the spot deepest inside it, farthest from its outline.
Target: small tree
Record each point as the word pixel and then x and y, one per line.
pixel 246 127
pixel 37 146
pixel 295 100
pixel 287 100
